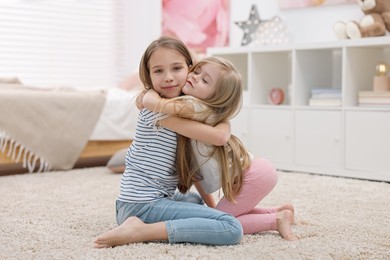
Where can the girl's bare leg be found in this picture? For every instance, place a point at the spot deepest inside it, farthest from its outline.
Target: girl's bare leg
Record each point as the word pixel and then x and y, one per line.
pixel 259 210
pixel 286 206
pixel 284 220
pixel 132 230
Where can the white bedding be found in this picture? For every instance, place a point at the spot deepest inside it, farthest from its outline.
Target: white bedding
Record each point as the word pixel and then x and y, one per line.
pixel 119 116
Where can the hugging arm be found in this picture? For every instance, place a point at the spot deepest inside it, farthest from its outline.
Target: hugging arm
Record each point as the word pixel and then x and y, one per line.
pixel 153 102
pixel 216 135
pixel 208 198
pixel 139 99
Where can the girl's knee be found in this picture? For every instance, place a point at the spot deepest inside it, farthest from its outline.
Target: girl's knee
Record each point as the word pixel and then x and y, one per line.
pixel 265 172
pixel 238 232
pixel 235 231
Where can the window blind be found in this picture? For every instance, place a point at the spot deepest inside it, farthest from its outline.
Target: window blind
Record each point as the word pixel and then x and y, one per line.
pixel 76 43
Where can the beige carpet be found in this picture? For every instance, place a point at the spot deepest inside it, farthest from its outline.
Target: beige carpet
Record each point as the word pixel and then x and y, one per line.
pixel 57 215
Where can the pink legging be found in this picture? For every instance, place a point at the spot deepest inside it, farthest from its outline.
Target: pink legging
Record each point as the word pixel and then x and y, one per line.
pixel 259 180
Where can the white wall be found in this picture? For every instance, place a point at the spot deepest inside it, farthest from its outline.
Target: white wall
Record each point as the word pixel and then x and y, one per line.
pixel 142 26
pixel 306 25
pixel 143 23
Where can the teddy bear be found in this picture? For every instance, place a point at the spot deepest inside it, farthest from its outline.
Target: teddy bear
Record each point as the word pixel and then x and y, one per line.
pixel 375 22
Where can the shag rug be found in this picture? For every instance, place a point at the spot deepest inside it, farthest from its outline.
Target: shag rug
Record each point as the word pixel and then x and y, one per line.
pixel 57 215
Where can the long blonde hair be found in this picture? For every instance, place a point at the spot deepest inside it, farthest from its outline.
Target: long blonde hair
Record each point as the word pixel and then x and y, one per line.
pixel 232 158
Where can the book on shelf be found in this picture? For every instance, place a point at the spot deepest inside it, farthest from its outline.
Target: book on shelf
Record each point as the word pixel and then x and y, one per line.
pixel 374 105
pixel 374 94
pixel 333 102
pixel 375 100
pixel 326 90
pixel 326 93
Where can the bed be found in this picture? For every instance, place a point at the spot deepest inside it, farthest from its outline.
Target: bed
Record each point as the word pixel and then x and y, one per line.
pixel 63 128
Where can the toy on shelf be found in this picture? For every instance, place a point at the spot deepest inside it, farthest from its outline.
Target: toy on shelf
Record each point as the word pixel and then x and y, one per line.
pixel 276 96
pixel 263 32
pixel 380 95
pixel 375 22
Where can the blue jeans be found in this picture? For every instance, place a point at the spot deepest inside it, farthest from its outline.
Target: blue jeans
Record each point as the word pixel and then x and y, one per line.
pixel 189 196
pixel 185 222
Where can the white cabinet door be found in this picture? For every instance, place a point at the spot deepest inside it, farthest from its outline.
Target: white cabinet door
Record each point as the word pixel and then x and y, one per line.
pixel 271 134
pixel 240 126
pixel 367 141
pixel 318 138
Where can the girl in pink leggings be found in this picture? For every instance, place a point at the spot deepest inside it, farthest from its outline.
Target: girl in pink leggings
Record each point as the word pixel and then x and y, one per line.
pixel 213 95
pixel 259 179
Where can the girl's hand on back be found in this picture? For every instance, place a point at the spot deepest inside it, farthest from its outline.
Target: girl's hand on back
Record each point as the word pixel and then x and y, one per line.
pixel 139 100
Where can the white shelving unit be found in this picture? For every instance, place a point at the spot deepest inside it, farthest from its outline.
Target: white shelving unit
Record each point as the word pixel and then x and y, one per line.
pixel 346 140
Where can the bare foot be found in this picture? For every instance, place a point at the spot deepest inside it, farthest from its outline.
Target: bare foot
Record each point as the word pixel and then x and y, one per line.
pixel 124 234
pixel 286 206
pixel 284 220
pixel 289 207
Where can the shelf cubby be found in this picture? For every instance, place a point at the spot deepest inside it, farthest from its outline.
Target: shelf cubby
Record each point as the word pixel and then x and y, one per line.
pixel 268 71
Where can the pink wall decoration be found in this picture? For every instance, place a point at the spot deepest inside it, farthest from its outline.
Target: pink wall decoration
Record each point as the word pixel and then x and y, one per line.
pixel 287 4
pixel 199 24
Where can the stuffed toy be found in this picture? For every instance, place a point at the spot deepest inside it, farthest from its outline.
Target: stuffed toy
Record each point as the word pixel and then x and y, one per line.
pixel 375 22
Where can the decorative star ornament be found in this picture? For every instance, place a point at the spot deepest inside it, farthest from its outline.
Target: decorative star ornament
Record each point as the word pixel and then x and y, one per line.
pixel 271 32
pixel 249 26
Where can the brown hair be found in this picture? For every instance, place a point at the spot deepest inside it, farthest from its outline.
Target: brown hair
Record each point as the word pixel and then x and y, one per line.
pixel 162 42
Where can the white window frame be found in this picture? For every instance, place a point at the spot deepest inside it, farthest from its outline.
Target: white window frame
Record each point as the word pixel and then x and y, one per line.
pixel 69 43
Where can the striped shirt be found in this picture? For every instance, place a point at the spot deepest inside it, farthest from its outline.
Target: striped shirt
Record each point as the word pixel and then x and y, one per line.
pixel 150 172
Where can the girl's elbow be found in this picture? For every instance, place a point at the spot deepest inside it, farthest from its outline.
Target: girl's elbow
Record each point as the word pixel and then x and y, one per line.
pixel 222 139
pixel 148 105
